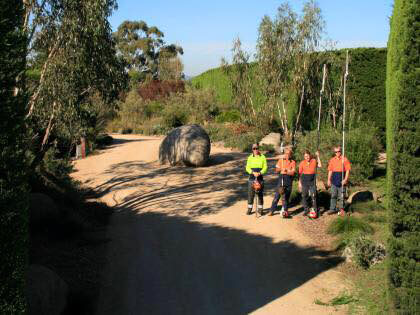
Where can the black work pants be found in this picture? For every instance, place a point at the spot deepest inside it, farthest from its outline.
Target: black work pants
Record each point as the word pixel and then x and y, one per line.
pixel 285 198
pixel 309 190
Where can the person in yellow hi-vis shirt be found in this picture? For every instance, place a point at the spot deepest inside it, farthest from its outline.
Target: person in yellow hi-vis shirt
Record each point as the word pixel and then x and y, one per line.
pixel 256 167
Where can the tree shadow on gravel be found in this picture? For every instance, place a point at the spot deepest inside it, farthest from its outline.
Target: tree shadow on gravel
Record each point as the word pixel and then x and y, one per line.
pixel 173 265
pixel 183 190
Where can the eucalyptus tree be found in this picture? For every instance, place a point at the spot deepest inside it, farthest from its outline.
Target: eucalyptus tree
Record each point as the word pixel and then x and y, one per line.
pixel 143 47
pixel 279 84
pixel 286 60
pixel 71 48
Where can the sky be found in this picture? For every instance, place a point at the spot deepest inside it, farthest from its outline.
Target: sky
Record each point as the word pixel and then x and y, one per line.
pixel 207 29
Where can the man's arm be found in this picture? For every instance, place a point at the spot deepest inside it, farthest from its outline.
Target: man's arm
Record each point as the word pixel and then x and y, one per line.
pixel 318 159
pixel 346 178
pixel 292 169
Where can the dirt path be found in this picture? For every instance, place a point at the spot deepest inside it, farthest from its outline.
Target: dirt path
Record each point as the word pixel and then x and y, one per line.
pixel 182 244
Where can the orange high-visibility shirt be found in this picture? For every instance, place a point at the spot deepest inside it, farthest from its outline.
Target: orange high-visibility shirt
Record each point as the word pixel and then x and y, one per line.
pixel 336 164
pixel 308 168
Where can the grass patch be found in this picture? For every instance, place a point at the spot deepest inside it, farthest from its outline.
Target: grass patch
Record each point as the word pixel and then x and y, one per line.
pixel 371 291
pixel 341 299
pixel 366 207
pixel 347 225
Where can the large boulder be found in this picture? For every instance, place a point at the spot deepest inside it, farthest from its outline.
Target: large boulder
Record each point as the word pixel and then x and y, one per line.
pixel 186 145
pixel 273 139
pixel 46 292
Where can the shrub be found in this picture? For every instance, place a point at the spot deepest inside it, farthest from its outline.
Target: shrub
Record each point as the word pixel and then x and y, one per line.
pixel 367 206
pixel 348 224
pixel 127 131
pixel 232 115
pixel 361 249
pixel 13 188
pixel 403 156
pixel 156 89
pixel 174 116
pixel 104 140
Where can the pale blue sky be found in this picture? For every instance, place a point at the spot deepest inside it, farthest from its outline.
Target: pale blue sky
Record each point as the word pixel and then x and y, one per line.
pixel 206 29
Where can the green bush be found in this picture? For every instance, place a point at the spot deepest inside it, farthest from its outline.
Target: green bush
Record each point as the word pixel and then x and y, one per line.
pixel 127 131
pixel 174 116
pixel 403 140
pixel 13 171
pixel 103 140
pixel 366 207
pixel 361 148
pixel 365 252
pixel 232 115
pixel 347 225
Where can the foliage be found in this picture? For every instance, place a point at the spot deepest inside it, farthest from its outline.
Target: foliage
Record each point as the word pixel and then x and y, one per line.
pixel 217 80
pixel 156 89
pixel 160 115
pixel 348 224
pixel 403 139
pixel 281 80
pixel 70 44
pixel 361 148
pixel 233 135
pixel 13 187
pixel 365 88
pixel 342 299
pixel 232 115
pixel 366 207
pixel 144 50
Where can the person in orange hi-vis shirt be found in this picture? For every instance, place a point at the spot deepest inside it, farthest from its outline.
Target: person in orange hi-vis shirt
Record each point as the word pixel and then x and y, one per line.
pixel 286 168
pixel 307 181
pixel 338 178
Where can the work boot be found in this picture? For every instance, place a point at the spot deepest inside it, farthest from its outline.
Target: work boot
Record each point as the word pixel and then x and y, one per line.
pixel 249 210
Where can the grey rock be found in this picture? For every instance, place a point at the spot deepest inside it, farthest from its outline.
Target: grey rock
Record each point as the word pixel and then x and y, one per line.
pixel 186 145
pixel 360 195
pixel 46 292
pixel 273 139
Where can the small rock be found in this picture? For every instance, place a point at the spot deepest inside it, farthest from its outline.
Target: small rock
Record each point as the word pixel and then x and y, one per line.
pixel 348 254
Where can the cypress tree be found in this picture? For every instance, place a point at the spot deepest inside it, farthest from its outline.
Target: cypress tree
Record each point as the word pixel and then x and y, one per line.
pixel 403 139
pixel 13 190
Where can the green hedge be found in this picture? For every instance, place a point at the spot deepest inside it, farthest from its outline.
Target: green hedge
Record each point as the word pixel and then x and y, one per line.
pixel 403 139
pixel 13 190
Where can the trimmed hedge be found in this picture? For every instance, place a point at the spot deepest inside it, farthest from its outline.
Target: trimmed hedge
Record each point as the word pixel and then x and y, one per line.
pixel 13 190
pixel 403 139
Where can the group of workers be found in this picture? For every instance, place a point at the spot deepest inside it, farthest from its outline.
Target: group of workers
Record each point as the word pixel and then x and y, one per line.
pixel 338 177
